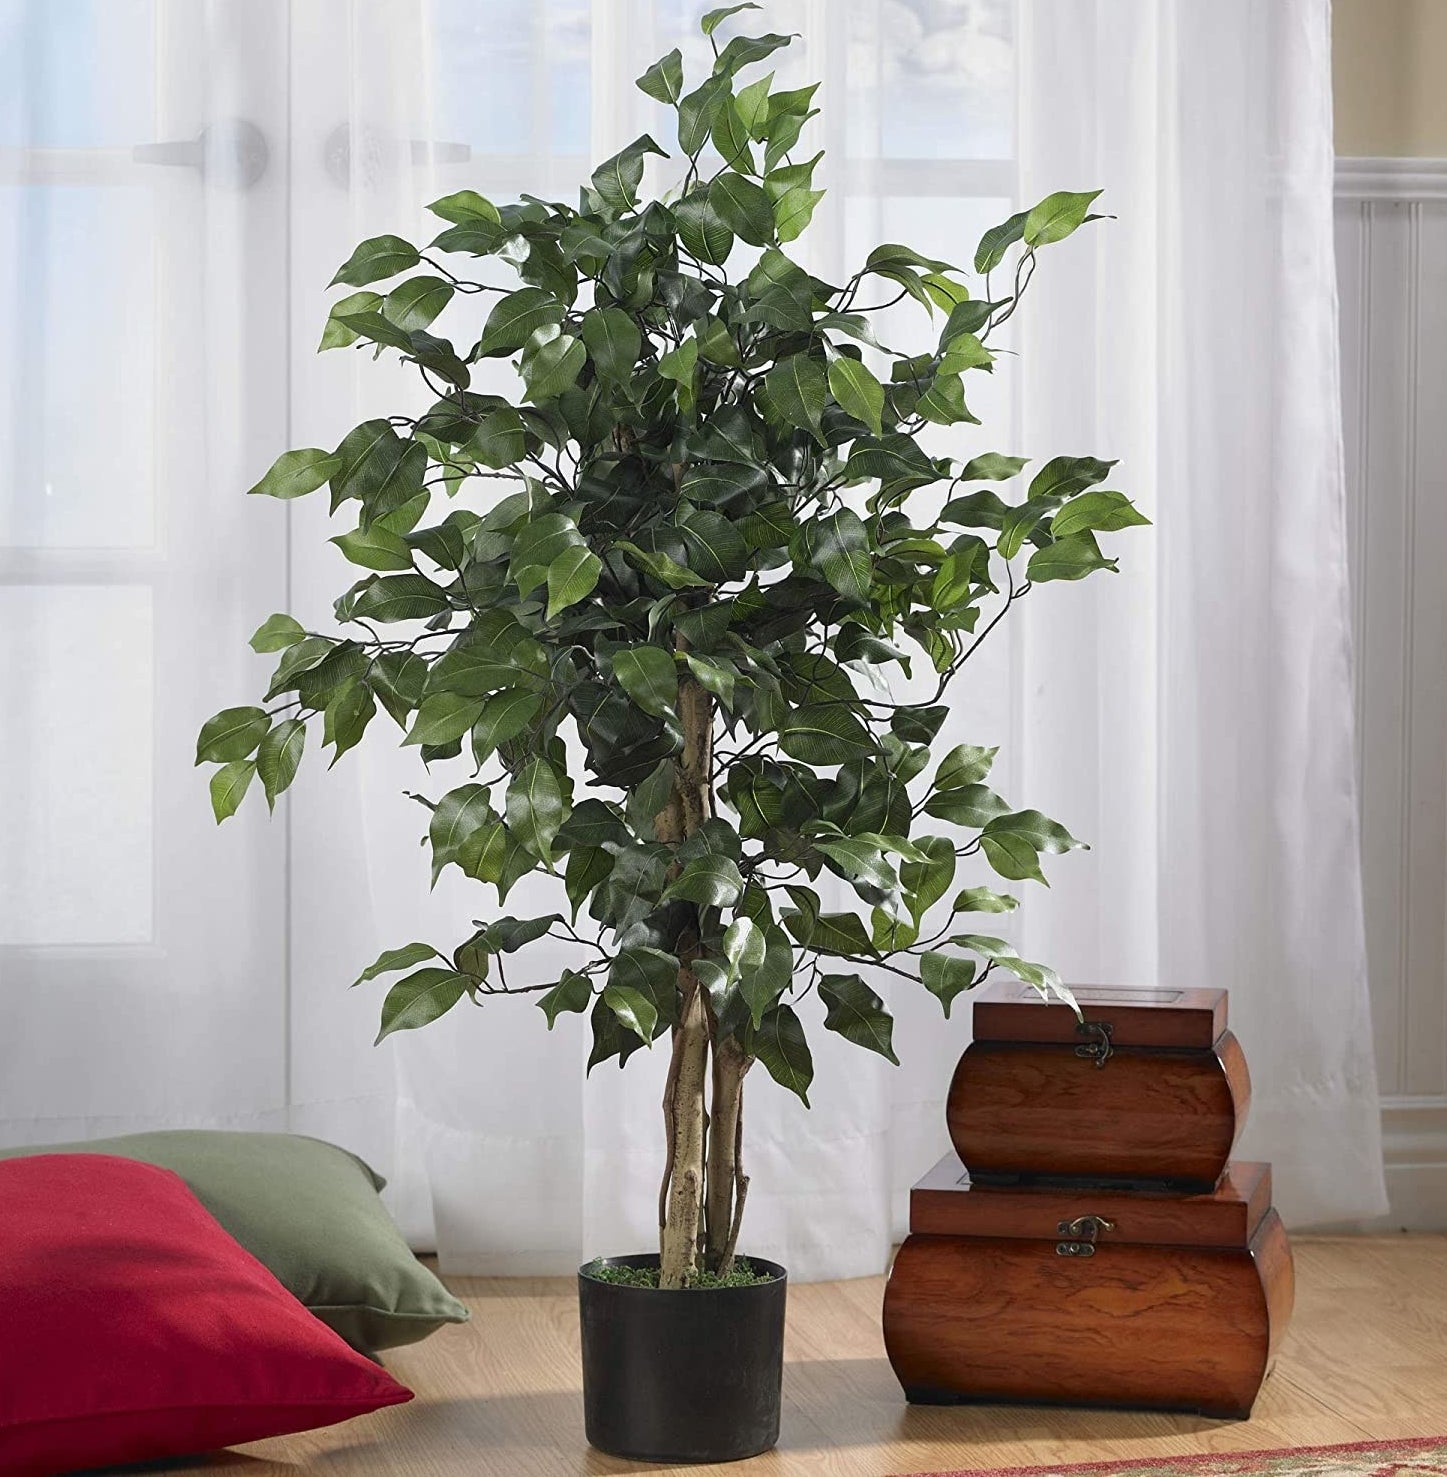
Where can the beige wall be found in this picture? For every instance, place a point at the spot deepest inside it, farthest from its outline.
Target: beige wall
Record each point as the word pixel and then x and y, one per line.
pixel 1390 68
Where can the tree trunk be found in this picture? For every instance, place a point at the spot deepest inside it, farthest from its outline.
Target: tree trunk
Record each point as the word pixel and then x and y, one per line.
pixel 727 1183
pixel 687 1131
pixel 685 1114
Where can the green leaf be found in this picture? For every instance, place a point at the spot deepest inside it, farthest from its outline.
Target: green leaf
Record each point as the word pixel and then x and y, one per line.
pixel 614 342
pixel 401 597
pixel 745 946
pixel 715 675
pixel 504 716
pixel 335 333
pixel 743 51
pixel 966 805
pixel 709 881
pixel 551 366
pixel 714 18
pixel 711 484
pixel 762 984
pixel 381 256
pixel 797 391
pixel 821 734
pixel 421 998
pixel 983 900
pixel 857 391
pixel 743 207
pixel 696 112
pixel 992 467
pixel 379 469
pixel 499 441
pixel 1039 830
pixel 678 365
pixel 466 208
pixel 1103 512
pixel 752 106
pixel 838 547
pixel 966 764
pixel 716 549
pixel 276 633
pixel 232 734
pixel 571 995
pixel 617 179
pixel 572 577
pixel 1019 523
pixel 296 473
pixel 780 1045
pixel 1056 216
pixel 665 570
pixel 515 318
pixel 945 976
pixel 390 960
pixel 1064 476
pixel 998 240
pixel 279 757
pixel 1012 857
pixel 417 301
pixel 793 211
pixel 535 807
pixel 1069 558
pixel 347 717
pixel 443 718
pixel 944 402
pixel 857 1014
pixel 460 815
pixel 926 881
pixel 649 675
pixel 228 787
pixel 664 79
pixel 375 548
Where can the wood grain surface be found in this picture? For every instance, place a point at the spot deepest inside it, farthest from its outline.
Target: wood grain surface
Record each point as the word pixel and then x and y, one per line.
pixel 945 1203
pixel 1169 1327
pixel 1365 1358
pixel 1020 1109
pixel 1140 1017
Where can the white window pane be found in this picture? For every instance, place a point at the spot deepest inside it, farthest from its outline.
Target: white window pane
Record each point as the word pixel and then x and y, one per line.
pixel 76 73
pixel 947 79
pixel 77 385
pixel 513 76
pixel 75 764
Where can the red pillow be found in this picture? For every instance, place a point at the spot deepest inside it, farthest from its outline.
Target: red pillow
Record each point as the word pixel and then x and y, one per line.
pixel 133 1327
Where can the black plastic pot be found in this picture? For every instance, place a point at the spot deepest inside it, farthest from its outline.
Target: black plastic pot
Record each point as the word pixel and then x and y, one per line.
pixel 692 1376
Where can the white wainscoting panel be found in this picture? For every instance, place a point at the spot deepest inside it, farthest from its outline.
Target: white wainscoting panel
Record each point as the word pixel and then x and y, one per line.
pixel 1391 226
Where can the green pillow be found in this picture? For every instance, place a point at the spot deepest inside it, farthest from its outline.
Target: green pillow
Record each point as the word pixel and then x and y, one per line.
pixel 309 1212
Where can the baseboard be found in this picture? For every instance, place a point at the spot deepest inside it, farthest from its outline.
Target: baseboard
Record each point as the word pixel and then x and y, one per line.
pixel 1414 1146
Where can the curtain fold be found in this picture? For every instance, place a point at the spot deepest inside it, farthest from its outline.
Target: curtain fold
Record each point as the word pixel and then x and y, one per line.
pixel 1190 717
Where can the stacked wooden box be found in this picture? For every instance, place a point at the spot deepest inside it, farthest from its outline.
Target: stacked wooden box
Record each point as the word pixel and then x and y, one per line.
pixel 1090 1242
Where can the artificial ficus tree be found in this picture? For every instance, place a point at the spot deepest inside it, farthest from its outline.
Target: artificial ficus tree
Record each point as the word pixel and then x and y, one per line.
pixel 658 642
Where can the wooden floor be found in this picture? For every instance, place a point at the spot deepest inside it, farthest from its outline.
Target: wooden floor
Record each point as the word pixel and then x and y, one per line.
pixel 1366 1357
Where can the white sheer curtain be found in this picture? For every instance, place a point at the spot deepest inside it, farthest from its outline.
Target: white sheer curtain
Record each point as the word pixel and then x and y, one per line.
pixel 1191 718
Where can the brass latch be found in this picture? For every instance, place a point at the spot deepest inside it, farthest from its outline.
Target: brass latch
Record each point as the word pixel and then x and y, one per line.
pixel 1098 1047
pixel 1083 1232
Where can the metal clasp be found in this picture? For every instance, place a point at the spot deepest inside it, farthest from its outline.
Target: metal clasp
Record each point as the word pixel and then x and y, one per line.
pixel 1098 1048
pixel 1084 1230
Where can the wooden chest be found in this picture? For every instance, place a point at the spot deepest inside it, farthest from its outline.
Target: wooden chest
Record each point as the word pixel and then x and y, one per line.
pixel 1151 1089
pixel 1088 1296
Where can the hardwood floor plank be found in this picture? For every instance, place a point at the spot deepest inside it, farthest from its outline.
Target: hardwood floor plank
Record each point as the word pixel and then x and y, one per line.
pixel 1366 1357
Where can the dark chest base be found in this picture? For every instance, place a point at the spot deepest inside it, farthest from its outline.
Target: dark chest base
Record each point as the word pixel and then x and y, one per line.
pixel 1178 1307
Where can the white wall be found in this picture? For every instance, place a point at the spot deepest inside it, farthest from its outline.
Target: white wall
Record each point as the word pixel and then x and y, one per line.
pixel 1392 269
